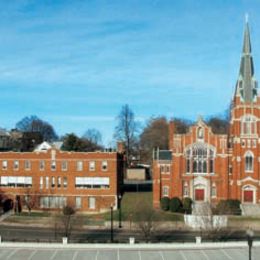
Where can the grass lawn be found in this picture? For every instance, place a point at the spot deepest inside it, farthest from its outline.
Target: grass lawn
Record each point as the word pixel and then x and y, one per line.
pixel 39 217
pixel 129 203
pixel 243 218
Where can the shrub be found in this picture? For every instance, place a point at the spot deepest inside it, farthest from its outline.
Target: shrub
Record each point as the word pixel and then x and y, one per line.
pixel 165 203
pixel 228 207
pixel 175 205
pixel 187 203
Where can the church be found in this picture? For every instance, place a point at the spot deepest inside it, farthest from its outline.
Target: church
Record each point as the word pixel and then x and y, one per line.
pixel 209 167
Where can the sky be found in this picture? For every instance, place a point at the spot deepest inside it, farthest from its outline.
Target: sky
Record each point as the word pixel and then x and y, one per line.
pixel 76 63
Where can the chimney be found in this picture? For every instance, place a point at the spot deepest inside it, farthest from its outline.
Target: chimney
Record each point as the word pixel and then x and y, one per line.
pixel 120 146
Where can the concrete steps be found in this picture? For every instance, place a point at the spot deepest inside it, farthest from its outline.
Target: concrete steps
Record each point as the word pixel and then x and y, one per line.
pixel 201 209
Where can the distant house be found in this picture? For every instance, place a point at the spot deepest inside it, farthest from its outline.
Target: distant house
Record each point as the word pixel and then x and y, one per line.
pixel 140 172
pixel 5 140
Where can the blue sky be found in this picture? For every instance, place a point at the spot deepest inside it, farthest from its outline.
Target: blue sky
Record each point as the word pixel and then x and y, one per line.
pixel 75 63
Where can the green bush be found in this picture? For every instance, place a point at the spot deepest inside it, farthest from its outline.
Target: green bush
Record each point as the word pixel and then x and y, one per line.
pixel 228 207
pixel 175 205
pixel 187 203
pixel 165 203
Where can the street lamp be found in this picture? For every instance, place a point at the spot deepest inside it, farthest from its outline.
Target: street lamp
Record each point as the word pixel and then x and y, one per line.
pixel 250 234
pixel 111 222
pixel 120 212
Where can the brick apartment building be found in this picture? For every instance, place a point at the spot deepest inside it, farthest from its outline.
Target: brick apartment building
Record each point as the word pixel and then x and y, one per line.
pixel 210 167
pixel 51 178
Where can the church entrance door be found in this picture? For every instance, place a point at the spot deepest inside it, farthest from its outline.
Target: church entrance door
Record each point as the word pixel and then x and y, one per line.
pixel 248 196
pixel 199 194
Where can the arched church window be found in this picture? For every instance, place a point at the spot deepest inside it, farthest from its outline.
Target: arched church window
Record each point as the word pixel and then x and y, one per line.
pixel 188 165
pixel 249 160
pixel 211 165
pixel 200 133
pixel 195 167
pixel 248 125
pixel 199 155
pixel 213 190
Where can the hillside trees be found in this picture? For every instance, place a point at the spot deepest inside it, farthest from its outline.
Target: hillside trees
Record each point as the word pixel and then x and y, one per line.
pixel 35 124
pixel 154 134
pixel 72 142
pixel 219 125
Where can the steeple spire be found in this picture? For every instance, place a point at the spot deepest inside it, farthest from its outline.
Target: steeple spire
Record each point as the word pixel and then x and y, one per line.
pixel 246 85
pixel 247 43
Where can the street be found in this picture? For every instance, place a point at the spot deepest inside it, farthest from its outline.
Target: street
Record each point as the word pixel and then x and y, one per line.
pixel 103 235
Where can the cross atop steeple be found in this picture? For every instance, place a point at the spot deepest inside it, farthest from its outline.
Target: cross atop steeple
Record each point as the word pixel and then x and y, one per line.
pixel 246 87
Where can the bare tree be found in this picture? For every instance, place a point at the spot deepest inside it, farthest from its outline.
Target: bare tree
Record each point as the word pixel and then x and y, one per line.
pixel 144 217
pixel 212 227
pixel 219 125
pixel 30 199
pixel 181 125
pixel 66 217
pixel 35 124
pixel 93 135
pixel 126 131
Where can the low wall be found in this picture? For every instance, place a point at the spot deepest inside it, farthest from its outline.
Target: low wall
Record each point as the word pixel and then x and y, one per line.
pixel 163 246
pixel 205 222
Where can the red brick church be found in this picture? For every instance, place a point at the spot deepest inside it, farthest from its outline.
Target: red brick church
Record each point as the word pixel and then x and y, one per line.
pixel 210 167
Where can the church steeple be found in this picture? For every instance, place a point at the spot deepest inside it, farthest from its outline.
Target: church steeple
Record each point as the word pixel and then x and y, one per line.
pixel 246 87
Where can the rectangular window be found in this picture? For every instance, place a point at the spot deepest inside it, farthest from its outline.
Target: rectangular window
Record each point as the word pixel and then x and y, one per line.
pixel 92 165
pixel 41 165
pixel 27 165
pixel 162 168
pixel 59 182
pixel 92 182
pixel 44 202
pixel 104 166
pixel 16 165
pixel 53 165
pixel 4 165
pixel 249 163
pixel 165 191
pixel 47 182
pixel 79 166
pixel 53 202
pixel 78 203
pixel 65 182
pixel 92 203
pixel 230 169
pixel 41 182
pixel 213 191
pixel 185 191
pixel 188 165
pixel 211 166
pixel 52 182
pixel 64 165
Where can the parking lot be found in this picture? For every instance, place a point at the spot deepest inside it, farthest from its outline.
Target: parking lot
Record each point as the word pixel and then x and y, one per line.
pixel 113 253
